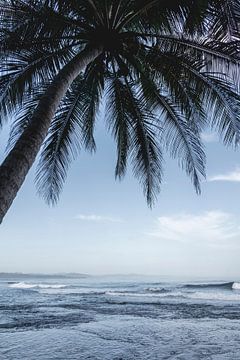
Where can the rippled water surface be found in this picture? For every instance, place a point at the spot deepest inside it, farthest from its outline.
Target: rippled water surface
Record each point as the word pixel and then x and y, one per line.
pixel 72 317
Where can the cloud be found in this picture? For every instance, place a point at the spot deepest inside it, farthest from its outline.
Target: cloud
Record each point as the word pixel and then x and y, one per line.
pixel 233 176
pixel 209 137
pixel 211 227
pixel 97 218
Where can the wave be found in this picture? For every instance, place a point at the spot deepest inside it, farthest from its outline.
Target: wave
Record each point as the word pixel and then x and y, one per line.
pixel 225 285
pixel 167 294
pixel 23 285
pixel 122 293
pixel 175 296
pixel 224 296
pixel 218 286
pixel 236 286
pixel 157 290
pixel 126 293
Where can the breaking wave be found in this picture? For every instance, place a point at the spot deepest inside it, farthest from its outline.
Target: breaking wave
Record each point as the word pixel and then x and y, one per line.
pixel 156 294
pixel 23 285
pixel 157 290
pixel 236 286
pixel 214 290
pixel 225 285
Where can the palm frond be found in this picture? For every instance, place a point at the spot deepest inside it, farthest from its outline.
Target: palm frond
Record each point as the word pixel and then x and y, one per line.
pixel 23 73
pixel 61 146
pixel 216 92
pixel 146 154
pixel 221 101
pixel 180 134
pixel 94 77
pixel 119 122
pixel 70 130
pixel 226 20
pixel 143 141
pixel 182 142
pixel 181 44
pixel 23 116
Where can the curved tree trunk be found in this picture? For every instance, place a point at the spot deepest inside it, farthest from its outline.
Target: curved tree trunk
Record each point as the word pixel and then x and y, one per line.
pixel 20 159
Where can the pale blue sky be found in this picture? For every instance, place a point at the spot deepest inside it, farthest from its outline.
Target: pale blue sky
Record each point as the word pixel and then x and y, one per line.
pixel 101 226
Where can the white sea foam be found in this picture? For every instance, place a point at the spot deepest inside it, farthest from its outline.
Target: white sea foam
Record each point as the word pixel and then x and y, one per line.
pixel 214 295
pixel 151 295
pixel 23 285
pixel 156 290
pixel 236 286
pixel 121 293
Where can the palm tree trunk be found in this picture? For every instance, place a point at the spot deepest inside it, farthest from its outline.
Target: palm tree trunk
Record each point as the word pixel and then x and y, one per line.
pixel 20 159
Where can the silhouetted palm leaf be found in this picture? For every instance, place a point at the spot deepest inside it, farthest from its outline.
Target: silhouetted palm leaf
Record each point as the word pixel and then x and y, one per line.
pixel 71 129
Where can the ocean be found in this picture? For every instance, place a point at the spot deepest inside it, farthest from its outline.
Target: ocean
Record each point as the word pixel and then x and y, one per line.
pixel 117 318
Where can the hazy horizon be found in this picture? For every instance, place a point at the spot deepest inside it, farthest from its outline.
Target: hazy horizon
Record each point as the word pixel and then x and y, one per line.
pixel 29 277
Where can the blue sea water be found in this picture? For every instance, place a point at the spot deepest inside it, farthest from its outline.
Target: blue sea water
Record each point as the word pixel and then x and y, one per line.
pixel 117 318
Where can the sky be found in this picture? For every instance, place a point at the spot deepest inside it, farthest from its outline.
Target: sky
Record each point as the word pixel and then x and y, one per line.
pixel 102 226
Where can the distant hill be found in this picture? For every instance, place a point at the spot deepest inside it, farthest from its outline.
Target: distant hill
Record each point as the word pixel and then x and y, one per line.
pixel 19 275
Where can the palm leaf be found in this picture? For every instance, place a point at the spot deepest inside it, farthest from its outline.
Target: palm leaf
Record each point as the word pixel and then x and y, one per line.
pixel 119 122
pixel 145 150
pixel 180 135
pixel 70 130
pixel 23 73
pixel 216 92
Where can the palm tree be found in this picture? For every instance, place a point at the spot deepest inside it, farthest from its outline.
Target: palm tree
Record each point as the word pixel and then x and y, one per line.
pixel 164 69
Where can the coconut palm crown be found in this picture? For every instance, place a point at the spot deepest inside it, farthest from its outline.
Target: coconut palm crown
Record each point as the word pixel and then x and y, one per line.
pixel 164 69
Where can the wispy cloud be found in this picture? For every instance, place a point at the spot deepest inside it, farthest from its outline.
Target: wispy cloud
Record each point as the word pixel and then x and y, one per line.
pixel 233 176
pixel 97 218
pixel 212 227
pixel 209 137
